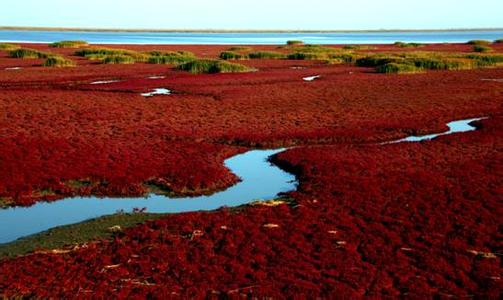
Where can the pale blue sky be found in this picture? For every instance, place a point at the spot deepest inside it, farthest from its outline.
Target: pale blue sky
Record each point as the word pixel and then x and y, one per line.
pixel 255 14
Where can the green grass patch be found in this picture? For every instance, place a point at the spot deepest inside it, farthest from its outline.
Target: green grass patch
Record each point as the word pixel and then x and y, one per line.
pixel 113 56
pixel 8 47
pixel 99 228
pixel 486 60
pixel 27 53
pixel 170 57
pixel 394 68
pixel 294 42
pixel 388 62
pixel 359 47
pixel 232 55
pixel 479 42
pixel 266 55
pixel 118 59
pixel 240 49
pixel 210 66
pixel 58 61
pixel 408 45
pixel 482 48
pixel 69 44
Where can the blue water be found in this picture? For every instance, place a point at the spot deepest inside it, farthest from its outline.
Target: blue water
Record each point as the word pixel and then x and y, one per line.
pixel 260 180
pixel 454 127
pixel 247 38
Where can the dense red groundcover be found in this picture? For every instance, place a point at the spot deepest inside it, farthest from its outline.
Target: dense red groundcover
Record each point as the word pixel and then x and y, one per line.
pixel 404 219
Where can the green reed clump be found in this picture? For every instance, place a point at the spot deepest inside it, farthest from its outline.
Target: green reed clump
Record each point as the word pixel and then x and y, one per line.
pixel 8 47
pixel 294 42
pixel 240 49
pixel 359 47
pixel 395 68
pixel 408 45
pixel 479 42
pixel 307 56
pixel 375 60
pixel 210 66
pixel 58 61
pixel 486 60
pixel 266 55
pixel 113 56
pixel 170 57
pixel 482 48
pixel 69 44
pixel 27 53
pixel 232 55
pixel 118 59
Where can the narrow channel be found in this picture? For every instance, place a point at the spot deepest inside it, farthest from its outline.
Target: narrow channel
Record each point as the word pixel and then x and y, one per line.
pixel 260 181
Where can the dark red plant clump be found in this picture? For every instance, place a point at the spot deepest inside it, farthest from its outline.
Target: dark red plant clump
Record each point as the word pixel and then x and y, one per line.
pixel 410 219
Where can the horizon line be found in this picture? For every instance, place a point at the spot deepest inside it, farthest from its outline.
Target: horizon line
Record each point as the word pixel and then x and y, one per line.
pixel 89 29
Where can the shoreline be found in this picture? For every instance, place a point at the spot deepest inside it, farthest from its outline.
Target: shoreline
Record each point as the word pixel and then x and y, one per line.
pixel 70 29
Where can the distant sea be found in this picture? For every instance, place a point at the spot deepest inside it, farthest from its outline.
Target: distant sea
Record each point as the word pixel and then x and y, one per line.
pixel 383 37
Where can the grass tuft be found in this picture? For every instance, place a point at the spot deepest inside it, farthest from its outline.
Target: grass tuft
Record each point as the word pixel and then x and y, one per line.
pixel 113 56
pixel 394 68
pixel 58 61
pixel 482 48
pixel 119 59
pixel 479 42
pixel 8 47
pixel 170 57
pixel 69 44
pixel 209 66
pixel 266 55
pixel 27 53
pixel 240 49
pixel 359 47
pixel 232 55
pixel 294 42
pixel 408 45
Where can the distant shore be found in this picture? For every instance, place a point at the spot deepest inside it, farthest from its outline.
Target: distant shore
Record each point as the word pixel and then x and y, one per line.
pixel 239 31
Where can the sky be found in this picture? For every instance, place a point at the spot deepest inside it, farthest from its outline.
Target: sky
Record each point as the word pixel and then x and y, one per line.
pixel 255 14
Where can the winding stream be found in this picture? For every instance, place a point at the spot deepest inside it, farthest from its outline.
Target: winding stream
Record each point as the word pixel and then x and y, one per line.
pixel 260 180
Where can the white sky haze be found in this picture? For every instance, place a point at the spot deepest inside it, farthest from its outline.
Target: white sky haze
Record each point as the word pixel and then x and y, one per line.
pixel 256 14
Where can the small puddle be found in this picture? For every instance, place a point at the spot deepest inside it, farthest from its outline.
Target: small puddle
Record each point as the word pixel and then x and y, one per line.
pixel 311 78
pixel 13 68
pixel 156 77
pixel 157 91
pixel 260 180
pixel 104 81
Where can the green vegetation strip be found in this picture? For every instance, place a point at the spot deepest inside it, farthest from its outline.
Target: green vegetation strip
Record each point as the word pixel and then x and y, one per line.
pixel 69 44
pixel 8 47
pixel 27 53
pixel 210 66
pixel 99 228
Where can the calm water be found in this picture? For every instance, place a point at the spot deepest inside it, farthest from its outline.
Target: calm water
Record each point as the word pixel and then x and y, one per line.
pixel 260 181
pixel 247 38
pixel 455 126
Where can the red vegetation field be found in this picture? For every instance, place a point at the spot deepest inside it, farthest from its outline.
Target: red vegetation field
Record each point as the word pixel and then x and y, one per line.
pixel 406 219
